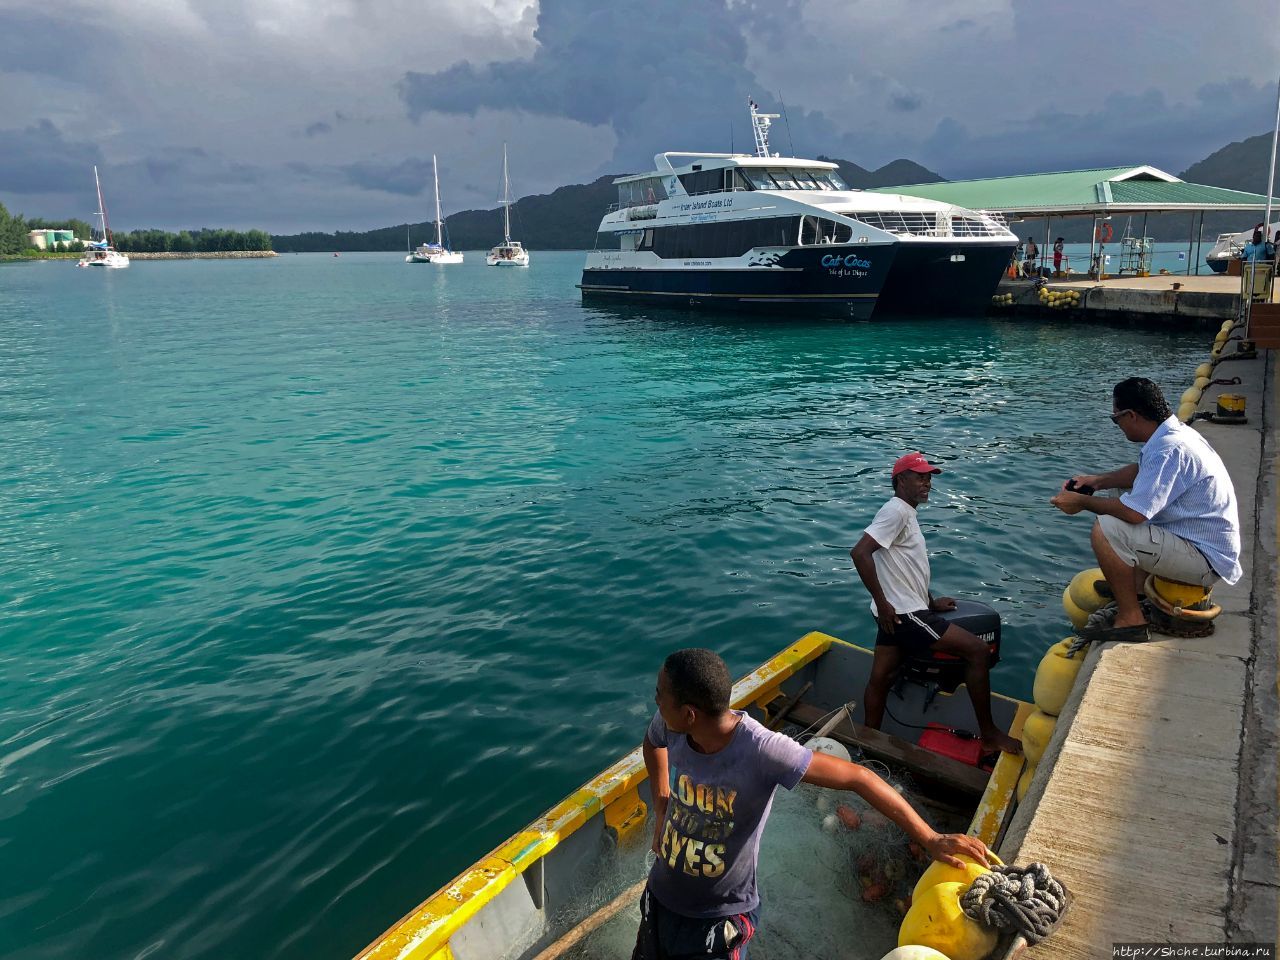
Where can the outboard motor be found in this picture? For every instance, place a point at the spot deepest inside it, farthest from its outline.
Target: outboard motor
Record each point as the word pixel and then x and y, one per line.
pixel 946 672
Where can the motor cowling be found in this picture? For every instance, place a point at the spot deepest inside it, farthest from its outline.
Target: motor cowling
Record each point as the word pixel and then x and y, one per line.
pixel 947 671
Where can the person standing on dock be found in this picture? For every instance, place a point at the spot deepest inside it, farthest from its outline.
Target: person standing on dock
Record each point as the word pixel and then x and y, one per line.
pixel 1058 246
pixel 1030 264
pixel 1178 520
pixel 893 563
pixel 713 772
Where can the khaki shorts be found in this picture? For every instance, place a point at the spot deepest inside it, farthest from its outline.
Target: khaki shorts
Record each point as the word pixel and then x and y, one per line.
pixel 1157 551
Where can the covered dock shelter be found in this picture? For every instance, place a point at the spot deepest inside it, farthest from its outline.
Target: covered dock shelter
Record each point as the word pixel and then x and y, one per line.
pixel 1099 193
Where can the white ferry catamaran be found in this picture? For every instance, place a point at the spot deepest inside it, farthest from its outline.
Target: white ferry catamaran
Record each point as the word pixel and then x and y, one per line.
pixel 787 235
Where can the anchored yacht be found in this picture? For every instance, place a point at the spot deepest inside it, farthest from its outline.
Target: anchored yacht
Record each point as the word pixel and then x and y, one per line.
pixel 439 252
pixel 509 253
pixel 786 234
pixel 102 252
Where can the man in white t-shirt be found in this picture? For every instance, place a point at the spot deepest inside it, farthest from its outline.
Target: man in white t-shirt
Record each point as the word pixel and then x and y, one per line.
pixel 894 566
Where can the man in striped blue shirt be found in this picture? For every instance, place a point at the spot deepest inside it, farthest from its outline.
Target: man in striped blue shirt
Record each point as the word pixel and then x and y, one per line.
pixel 1178 520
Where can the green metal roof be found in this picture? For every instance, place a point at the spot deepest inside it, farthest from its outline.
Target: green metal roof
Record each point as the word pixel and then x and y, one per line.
pixel 1103 190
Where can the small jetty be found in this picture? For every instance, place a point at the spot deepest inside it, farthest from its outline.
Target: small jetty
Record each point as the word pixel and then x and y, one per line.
pixel 1157 800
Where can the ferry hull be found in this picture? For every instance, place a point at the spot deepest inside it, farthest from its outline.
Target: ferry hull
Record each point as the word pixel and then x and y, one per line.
pixel 926 278
pixel 829 281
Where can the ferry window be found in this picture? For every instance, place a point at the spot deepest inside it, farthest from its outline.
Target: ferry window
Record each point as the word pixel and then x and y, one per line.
pixel 783 179
pixel 805 181
pixel 703 181
pixel 740 180
pixel 830 180
pixel 760 179
pixel 811 231
pixel 646 240
pixel 843 232
pixel 606 241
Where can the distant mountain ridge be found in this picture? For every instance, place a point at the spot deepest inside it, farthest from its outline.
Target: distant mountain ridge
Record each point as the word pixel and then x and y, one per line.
pixel 1237 166
pixel 565 219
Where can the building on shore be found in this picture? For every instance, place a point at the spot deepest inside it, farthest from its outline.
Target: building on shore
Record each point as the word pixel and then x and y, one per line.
pixel 48 239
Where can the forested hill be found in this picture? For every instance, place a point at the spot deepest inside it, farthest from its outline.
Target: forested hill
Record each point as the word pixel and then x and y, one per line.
pixel 1239 166
pixel 563 220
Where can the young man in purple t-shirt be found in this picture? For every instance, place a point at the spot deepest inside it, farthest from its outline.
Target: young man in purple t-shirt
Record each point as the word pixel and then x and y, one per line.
pixel 713 772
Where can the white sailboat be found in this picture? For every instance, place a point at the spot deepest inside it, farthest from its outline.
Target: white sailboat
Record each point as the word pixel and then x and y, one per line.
pixel 509 253
pixel 436 252
pixel 100 253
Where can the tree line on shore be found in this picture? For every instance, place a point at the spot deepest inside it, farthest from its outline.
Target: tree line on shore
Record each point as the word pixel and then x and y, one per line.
pixel 15 227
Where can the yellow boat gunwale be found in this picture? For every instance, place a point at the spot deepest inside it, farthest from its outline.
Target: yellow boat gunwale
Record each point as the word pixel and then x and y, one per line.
pixel 424 932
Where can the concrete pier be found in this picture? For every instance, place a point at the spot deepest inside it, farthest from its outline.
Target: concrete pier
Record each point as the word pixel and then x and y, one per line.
pixel 1168 300
pixel 1156 800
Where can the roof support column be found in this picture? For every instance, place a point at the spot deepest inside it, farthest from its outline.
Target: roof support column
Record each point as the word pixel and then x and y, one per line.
pixel 1191 242
pixel 1199 242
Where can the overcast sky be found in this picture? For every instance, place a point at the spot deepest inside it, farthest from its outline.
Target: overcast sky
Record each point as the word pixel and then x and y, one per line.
pixel 323 114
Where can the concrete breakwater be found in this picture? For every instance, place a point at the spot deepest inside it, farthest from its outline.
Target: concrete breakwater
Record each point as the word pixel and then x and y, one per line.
pixel 1164 301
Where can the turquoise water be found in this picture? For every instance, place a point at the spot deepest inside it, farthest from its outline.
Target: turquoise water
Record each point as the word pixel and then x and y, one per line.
pixel 324 575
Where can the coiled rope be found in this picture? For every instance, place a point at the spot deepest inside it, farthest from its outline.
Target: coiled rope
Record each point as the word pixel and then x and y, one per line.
pixel 1026 899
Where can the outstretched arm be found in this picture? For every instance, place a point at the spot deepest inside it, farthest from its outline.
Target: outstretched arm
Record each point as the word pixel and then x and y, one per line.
pixel 1121 478
pixel 828 771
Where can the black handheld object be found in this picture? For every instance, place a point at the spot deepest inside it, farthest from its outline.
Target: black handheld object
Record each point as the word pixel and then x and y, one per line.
pixel 1082 488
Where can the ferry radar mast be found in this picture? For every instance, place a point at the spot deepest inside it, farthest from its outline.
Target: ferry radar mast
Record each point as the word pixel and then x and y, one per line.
pixel 760 124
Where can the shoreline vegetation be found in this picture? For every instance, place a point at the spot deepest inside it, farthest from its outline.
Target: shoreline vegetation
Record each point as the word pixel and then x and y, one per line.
pixel 133 255
pixel 15 242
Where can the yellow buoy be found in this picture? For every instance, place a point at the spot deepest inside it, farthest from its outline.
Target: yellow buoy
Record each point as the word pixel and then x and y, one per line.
pixel 1179 594
pixel 913 951
pixel 1083 592
pixel 1191 395
pixel 1221 336
pixel 1204 370
pixel 936 920
pixel 1036 731
pixel 1024 781
pixel 1075 614
pixel 1186 411
pixel 1201 383
pixel 1055 677
pixel 939 872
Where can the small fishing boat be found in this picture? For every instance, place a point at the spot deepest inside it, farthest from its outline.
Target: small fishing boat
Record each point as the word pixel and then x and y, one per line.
pixel 102 252
pixel 438 252
pixel 509 253
pixel 566 885
pixel 1230 246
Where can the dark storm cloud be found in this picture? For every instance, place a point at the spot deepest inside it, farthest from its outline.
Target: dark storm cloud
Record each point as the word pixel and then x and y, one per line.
pixel 664 74
pixel 1142 128
pixel 905 102
pixel 317 128
pixel 409 177
pixel 40 159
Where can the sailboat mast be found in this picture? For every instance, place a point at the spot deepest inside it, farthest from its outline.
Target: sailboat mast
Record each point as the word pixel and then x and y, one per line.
pixel 102 209
pixel 439 223
pixel 506 199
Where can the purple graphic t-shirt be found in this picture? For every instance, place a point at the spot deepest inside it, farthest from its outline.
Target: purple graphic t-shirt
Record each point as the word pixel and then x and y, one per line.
pixel 719 803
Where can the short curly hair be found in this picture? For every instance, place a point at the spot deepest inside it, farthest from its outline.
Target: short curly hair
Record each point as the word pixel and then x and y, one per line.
pixel 699 678
pixel 1143 397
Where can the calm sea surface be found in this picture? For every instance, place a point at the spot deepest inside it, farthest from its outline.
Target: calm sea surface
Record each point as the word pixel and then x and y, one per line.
pixel 324 575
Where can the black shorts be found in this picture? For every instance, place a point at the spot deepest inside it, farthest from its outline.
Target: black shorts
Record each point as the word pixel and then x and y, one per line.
pixel 914 633
pixel 664 935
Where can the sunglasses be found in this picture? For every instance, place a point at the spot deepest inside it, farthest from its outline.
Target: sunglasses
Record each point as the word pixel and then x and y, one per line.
pixel 1115 417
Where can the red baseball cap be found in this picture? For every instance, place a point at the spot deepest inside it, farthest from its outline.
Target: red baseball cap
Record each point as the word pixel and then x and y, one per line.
pixel 915 462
